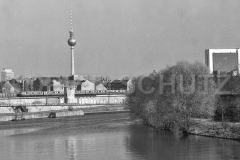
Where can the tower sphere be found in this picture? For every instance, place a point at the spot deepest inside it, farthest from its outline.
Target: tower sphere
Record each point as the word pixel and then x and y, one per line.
pixel 72 41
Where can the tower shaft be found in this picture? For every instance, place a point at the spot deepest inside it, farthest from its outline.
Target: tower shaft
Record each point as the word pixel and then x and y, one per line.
pixel 72 61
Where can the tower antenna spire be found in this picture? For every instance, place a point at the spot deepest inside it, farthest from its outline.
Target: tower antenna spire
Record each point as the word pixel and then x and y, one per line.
pixel 71 19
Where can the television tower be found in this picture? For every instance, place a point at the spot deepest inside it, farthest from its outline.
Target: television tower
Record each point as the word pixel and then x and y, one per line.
pixel 72 42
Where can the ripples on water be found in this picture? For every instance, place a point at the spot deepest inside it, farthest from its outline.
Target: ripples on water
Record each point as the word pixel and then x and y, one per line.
pixel 106 137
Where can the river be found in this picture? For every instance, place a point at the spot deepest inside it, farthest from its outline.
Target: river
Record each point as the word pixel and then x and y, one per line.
pixel 105 137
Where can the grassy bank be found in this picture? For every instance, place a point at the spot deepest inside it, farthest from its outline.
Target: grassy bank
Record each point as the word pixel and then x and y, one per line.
pixel 208 128
pixel 204 127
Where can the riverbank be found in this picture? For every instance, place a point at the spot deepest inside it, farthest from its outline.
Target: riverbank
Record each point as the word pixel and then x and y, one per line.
pixel 38 115
pixel 208 128
pixel 55 112
pixel 104 109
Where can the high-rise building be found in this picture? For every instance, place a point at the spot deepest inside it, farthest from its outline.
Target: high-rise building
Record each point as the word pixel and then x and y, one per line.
pixel 222 60
pixel 7 74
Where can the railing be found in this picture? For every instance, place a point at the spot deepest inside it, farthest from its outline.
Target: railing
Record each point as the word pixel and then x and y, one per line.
pixel 101 92
pixel 61 93
pixel 6 95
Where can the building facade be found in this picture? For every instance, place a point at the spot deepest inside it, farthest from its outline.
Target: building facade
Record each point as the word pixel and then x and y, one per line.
pixel 222 60
pixel 87 85
pixel 7 74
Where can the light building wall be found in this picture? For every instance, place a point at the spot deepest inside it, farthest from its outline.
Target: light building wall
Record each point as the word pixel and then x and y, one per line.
pixel 87 85
pixel 7 74
pixel 222 60
pixel 57 86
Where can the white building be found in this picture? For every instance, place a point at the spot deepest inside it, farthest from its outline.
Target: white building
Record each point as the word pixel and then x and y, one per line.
pixel 7 74
pixel 57 86
pixel 100 87
pixel 222 60
pixel 130 85
pixel 87 85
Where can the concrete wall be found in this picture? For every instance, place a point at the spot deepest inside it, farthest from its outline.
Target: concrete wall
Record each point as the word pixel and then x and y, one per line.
pixel 32 109
pixel 28 101
pixel 21 116
pixel 99 99
pixel 50 108
pixel 6 110
pixel 112 99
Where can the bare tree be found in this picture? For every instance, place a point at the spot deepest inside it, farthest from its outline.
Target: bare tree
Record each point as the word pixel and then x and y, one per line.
pixel 194 95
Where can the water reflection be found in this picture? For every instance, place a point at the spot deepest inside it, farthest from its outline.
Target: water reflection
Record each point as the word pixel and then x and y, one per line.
pixel 167 145
pixel 10 132
pixel 71 147
pixel 109 137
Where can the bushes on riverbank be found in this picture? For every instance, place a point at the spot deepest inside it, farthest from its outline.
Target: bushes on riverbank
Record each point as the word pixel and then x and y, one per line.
pixel 228 109
pixel 216 129
pixel 170 98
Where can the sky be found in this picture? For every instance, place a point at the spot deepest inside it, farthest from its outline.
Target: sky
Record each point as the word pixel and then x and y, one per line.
pixel 115 38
